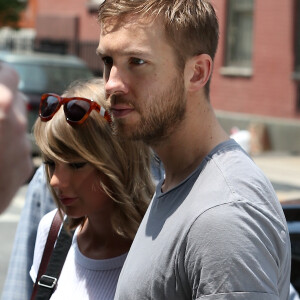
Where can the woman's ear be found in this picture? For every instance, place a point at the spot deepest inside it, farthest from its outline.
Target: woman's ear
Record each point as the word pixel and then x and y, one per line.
pixel 197 71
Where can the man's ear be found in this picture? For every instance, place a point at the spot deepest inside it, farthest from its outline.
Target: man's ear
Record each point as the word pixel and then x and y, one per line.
pixel 197 71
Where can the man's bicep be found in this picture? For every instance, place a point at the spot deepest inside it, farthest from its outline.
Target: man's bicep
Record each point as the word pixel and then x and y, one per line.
pixel 228 250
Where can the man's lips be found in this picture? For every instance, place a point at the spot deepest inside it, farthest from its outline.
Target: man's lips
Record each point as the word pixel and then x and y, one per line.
pixel 121 110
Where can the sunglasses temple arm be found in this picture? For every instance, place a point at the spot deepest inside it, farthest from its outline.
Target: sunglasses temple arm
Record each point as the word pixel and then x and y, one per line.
pixel 102 111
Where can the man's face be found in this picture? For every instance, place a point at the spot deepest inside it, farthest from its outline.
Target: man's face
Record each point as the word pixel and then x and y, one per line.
pixel 143 86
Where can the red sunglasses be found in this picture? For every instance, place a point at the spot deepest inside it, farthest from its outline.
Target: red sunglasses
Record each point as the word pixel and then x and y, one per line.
pixel 76 109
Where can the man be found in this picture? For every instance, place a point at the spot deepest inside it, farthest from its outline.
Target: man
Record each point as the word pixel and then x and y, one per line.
pixel 214 229
pixel 15 154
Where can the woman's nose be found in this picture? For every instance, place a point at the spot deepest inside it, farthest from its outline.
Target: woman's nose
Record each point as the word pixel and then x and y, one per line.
pixel 54 181
pixel 60 178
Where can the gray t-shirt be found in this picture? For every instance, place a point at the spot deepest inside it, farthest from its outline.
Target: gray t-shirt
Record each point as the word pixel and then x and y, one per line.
pixel 220 234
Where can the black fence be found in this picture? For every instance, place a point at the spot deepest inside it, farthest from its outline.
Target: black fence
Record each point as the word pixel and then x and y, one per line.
pixel 292 214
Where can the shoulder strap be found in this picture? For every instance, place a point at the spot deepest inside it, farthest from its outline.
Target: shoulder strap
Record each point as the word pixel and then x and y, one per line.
pixel 52 235
pixel 48 280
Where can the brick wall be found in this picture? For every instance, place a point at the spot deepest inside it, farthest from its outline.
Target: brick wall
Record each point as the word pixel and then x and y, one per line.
pixel 85 41
pixel 89 30
pixel 270 90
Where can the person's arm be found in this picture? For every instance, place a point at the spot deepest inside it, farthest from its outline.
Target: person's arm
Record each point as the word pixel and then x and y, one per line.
pixel 233 251
pixel 15 152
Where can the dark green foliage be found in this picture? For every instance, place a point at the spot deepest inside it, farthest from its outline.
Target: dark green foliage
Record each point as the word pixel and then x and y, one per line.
pixel 10 12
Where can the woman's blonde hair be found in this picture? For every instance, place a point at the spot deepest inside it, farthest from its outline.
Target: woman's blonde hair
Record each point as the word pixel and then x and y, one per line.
pixel 125 162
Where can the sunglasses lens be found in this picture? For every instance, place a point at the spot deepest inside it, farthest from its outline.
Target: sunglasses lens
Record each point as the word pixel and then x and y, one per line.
pixel 48 106
pixel 75 110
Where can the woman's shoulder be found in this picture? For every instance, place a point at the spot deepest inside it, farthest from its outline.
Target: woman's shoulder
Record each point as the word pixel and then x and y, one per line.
pixel 41 237
pixel 46 221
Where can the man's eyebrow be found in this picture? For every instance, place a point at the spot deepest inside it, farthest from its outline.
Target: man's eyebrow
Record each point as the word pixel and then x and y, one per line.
pixel 135 52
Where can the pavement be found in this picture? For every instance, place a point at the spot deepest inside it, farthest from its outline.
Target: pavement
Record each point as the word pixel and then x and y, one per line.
pixel 8 225
pixel 283 170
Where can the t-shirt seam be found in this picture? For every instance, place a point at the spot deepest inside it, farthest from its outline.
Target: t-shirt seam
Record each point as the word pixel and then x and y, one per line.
pixel 237 292
pixel 240 197
pixel 223 175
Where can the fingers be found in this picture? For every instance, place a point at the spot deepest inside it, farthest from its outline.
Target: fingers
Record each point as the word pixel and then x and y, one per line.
pixel 9 77
pixel 6 97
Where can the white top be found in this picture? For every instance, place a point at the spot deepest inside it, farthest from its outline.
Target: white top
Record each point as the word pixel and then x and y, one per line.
pixel 81 277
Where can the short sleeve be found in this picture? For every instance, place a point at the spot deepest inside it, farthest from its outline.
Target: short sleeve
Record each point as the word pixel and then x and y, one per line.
pixel 233 252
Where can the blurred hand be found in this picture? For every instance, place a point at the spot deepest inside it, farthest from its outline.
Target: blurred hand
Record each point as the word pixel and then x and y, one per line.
pixel 15 152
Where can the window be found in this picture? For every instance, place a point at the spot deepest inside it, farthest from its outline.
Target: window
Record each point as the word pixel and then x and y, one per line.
pixel 239 34
pixel 298 97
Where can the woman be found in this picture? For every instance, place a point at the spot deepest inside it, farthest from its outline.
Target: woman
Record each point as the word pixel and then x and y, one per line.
pixel 100 181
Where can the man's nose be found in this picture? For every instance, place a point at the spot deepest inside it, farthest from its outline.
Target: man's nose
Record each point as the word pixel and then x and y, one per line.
pixel 115 83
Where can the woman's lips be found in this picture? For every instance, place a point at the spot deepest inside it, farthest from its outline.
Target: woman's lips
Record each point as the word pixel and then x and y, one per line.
pixel 67 201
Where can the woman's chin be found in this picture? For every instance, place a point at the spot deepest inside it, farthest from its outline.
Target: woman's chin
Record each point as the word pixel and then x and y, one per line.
pixel 72 213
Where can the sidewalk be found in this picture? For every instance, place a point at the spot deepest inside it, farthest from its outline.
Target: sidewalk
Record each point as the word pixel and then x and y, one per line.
pixel 283 170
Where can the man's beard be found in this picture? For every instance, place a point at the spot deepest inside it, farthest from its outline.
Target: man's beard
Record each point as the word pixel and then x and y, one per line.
pixel 159 116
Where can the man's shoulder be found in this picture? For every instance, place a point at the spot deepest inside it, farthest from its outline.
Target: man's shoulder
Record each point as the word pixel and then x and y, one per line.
pixel 232 177
pixel 238 171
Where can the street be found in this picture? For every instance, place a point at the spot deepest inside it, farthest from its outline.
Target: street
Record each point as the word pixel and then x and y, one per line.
pixel 283 170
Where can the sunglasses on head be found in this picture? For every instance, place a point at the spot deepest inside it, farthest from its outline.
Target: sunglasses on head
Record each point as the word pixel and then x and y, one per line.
pixel 76 109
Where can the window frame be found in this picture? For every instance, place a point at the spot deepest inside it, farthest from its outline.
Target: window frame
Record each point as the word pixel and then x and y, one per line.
pixel 296 74
pixel 234 65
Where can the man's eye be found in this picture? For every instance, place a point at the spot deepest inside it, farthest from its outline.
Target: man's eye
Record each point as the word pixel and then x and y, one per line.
pixel 77 165
pixel 107 60
pixel 137 61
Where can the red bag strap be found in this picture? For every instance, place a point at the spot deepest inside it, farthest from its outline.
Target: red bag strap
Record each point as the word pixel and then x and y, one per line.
pixel 52 236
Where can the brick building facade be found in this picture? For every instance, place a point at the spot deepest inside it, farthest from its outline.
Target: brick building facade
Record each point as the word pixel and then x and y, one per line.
pixel 256 71
pixel 269 87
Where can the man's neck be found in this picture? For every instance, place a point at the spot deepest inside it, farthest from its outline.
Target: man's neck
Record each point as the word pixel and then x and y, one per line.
pixel 187 145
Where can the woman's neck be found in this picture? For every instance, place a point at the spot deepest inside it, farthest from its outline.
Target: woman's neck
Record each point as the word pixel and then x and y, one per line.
pixel 99 241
